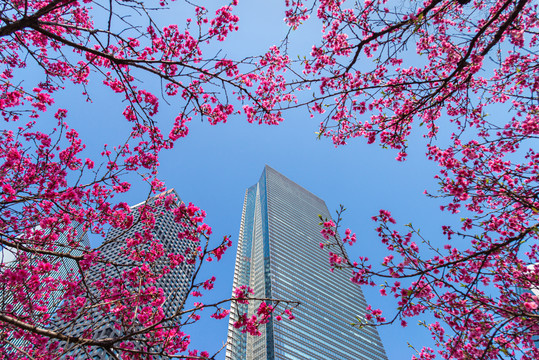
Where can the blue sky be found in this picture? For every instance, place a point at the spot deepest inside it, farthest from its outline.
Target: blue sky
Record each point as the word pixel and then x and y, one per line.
pixel 214 165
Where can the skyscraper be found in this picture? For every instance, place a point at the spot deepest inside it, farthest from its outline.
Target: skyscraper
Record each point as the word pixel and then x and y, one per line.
pixel 532 291
pixel 279 257
pixel 175 283
pixel 63 268
pixel 66 266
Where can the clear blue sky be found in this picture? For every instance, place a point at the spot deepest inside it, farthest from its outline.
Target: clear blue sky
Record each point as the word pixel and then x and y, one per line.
pixel 214 165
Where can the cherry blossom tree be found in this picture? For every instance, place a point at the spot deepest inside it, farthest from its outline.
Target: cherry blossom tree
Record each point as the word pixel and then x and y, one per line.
pixel 52 195
pixel 466 74
pixel 379 68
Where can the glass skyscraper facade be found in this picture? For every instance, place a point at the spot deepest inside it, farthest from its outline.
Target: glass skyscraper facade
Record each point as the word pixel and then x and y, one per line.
pixel 279 257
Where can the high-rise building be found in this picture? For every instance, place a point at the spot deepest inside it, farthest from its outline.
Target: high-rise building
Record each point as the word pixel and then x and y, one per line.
pixel 175 283
pixel 65 268
pixel 279 257
pixel 534 291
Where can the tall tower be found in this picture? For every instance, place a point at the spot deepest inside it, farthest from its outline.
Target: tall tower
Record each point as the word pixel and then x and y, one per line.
pixel 279 257
pixel 174 282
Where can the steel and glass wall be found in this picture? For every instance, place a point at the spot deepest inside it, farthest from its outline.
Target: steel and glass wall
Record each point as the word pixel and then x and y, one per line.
pixel 279 256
